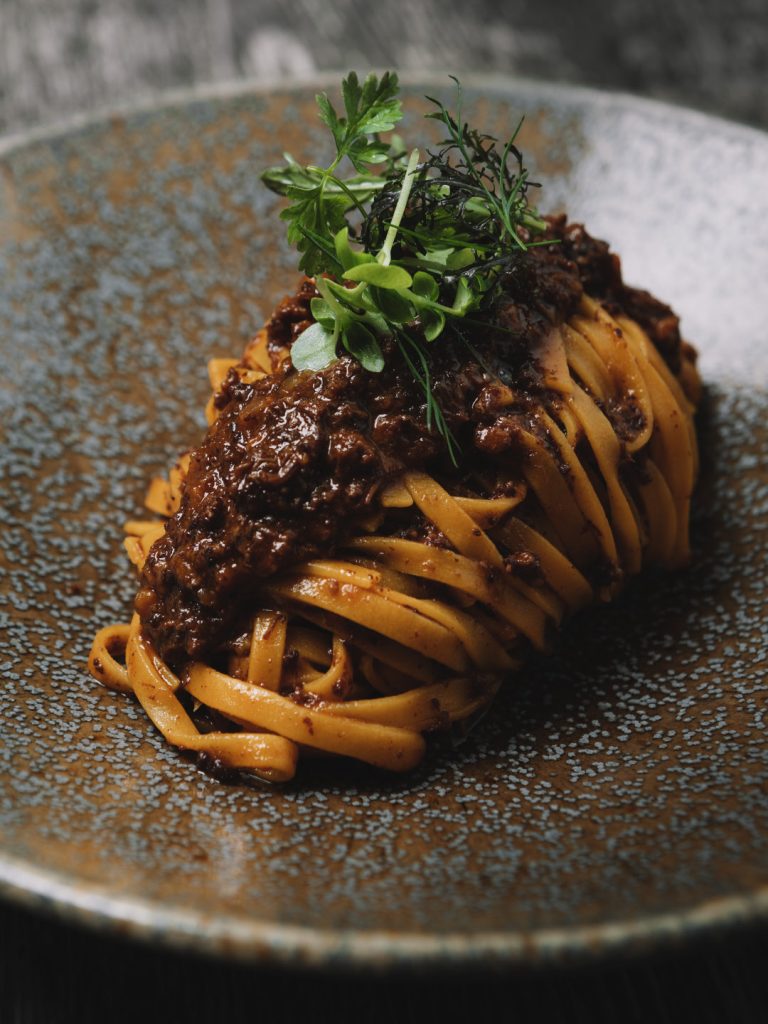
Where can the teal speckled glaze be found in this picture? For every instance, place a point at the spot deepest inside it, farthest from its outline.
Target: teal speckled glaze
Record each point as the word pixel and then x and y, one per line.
pixel 614 796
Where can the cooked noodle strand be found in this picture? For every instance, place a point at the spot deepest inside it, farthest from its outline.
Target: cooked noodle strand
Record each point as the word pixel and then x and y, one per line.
pixel 395 635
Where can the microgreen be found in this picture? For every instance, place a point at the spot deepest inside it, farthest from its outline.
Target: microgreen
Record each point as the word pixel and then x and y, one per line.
pixel 402 248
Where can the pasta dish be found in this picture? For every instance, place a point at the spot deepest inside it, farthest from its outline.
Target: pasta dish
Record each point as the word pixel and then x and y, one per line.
pixel 461 428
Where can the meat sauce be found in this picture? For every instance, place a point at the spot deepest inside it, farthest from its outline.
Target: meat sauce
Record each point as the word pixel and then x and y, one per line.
pixel 295 461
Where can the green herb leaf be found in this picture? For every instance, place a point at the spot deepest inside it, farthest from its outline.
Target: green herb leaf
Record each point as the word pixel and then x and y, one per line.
pixel 309 225
pixel 375 107
pixel 329 117
pixel 383 277
pixel 432 323
pixel 345 254
pixel 463 300
pixel 394 306
pixel 314 349
pixel 362 152
pixel 460 259
pixel 322 313
pixel 360 343
pixel 425 285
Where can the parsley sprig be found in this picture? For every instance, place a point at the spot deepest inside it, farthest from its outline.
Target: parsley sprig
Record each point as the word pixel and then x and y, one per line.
pixel 402 248
pixel 320 199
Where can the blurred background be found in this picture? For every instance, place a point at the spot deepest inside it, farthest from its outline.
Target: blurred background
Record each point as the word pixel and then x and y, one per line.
pixel 58 57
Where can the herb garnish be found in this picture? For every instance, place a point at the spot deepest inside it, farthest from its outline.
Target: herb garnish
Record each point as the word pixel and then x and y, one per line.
pixel 420 243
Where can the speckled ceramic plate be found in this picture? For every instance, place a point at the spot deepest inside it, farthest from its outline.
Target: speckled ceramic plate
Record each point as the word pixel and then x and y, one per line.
pixel 614 796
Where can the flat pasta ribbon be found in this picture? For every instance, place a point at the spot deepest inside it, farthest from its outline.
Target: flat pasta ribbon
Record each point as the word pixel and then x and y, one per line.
pixel 363 653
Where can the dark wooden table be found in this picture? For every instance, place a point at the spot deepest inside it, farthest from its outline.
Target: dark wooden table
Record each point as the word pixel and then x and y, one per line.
pixel 60 58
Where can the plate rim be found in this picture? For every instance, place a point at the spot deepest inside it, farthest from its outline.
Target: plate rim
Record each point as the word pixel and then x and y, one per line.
pixel 230 89
pixel 264 941
pixel 299 946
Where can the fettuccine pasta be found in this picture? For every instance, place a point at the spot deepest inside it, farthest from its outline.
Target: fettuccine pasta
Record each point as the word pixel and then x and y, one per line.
pixel 416 615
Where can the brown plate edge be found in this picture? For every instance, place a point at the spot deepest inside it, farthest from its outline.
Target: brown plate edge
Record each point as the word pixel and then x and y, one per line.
pixel 265 942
